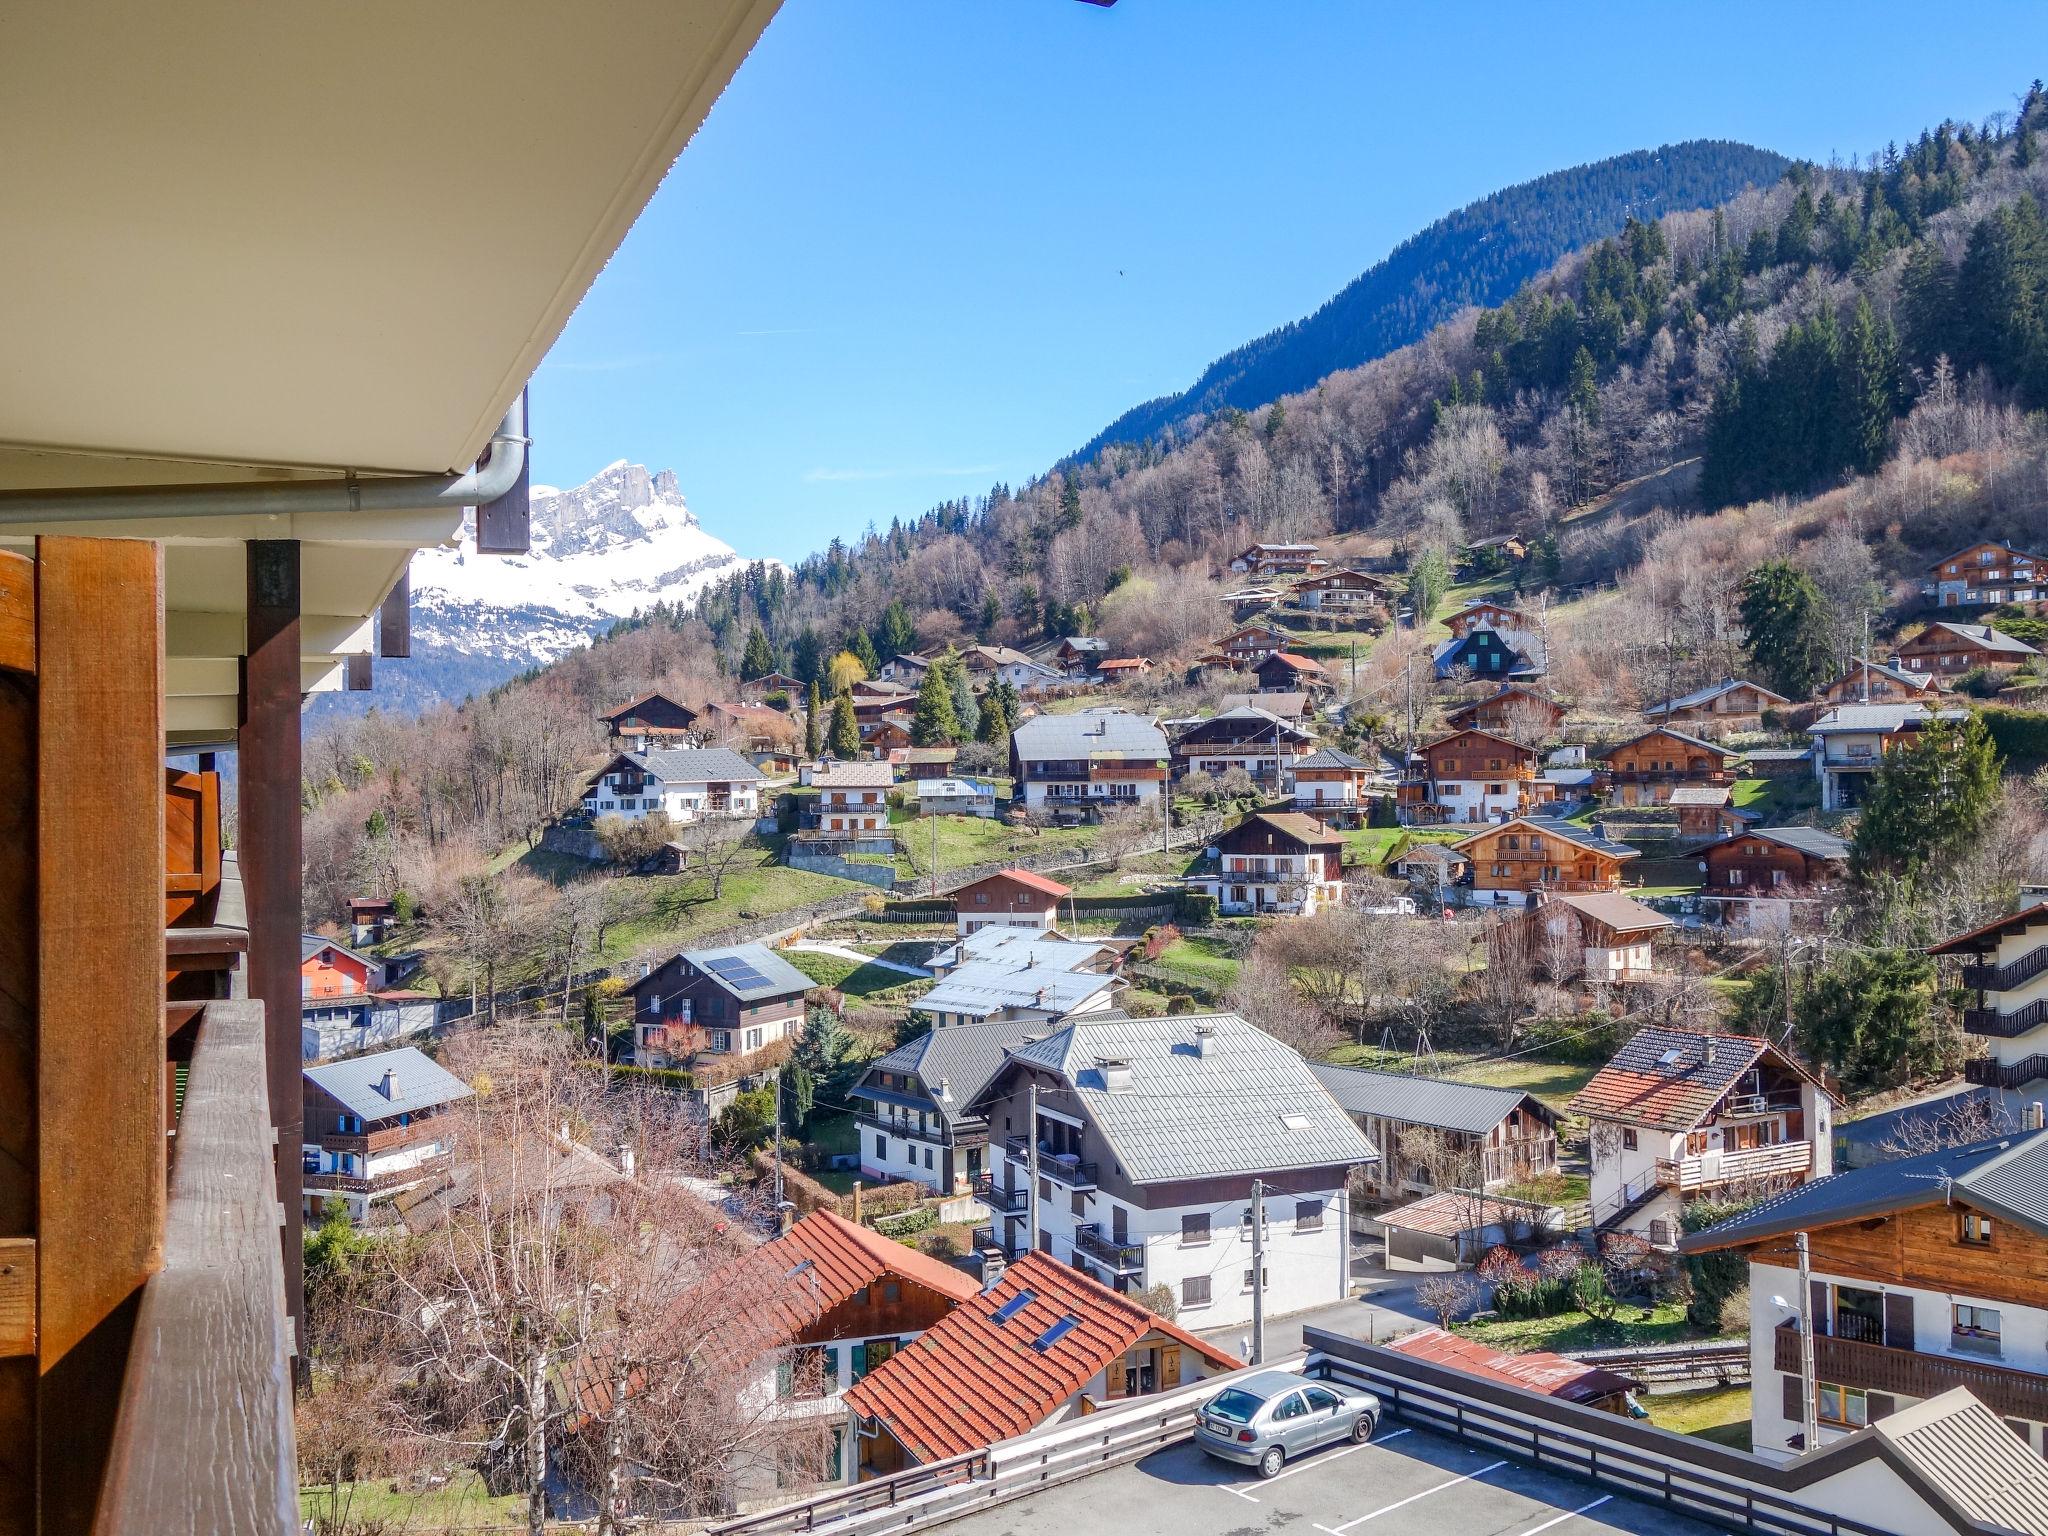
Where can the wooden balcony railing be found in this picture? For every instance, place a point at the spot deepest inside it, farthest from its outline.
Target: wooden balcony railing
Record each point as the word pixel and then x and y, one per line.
pixel 1787 1159
pixel 1991 1074
pixel 2003 1026
pixel 2003 978
pixel 211 1361
pixel 1914 1373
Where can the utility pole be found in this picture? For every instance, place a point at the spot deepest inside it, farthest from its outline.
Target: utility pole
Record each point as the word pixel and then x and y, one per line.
pixel 778 1148
pixel 935 858
pixel 1258 1272
pixel 1866 656
pixel 1809 1426
pixel 1031 1168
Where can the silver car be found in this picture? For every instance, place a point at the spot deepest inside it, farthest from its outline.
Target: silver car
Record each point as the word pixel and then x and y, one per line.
pixel 1267 1419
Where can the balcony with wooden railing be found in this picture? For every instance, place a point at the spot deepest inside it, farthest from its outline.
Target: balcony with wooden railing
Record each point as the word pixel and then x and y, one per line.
pixel 1710 1170
pixel 2004 978
pixel 143 1293
pixel 1986 1073
pixel 2003 1026
pixel 1875 1367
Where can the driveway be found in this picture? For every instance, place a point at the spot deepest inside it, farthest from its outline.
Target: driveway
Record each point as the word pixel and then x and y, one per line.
pixel 1381 1306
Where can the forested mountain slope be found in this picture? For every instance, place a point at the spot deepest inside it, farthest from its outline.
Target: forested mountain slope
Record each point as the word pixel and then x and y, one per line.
pixel 1478 255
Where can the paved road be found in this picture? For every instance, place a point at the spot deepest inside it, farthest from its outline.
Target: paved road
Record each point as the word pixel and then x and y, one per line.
pixel 1408 1482
pixel 1382 1306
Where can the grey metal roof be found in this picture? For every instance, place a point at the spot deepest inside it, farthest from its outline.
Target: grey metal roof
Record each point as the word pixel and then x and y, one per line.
pixel 1288 704
pixel 417 1083
pixel 1332 757
pixel 1015 949
pixel 1973 1458
pixel 1088 732
pixel 1811 841
pixel 2006 1175
pixel 1778 754
pixel 1676 735
pixel 982 987
pixel 697 765
pixel 310 944
pixel 1711 692
pixel 963 1056
pixel 1432 853
pixel 1989 638
pixel 749 971
pixel 1878 717
pixel 1699 794
pixel 1249 1105
pixel 1431 1101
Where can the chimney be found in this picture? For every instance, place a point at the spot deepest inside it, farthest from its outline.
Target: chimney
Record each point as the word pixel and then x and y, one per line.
pixel 388 1084
pixel 1893 661
pixel 856 1202
pixel 1205 1040
pixel 992 1266
pixel 626 1160
pixel 945 1091
pixel 1116 1073
pixel 1707 1050
pixel 1038 999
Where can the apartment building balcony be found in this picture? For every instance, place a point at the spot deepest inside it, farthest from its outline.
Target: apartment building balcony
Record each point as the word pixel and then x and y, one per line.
pixel 1118 1257
pixel 990 1237
pixel 1915 1373
pixel 2005 978
pixel 1010 1202
pixel 2003 1026
pixel 1992 1074
pixel 1750 1106
pixel 1710 1170
pixel 1061 1167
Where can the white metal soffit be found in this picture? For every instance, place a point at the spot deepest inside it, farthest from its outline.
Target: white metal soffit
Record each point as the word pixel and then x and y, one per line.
pixel 256 241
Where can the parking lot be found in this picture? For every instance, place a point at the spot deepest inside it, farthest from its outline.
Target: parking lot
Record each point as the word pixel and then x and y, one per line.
pixel 1407 1482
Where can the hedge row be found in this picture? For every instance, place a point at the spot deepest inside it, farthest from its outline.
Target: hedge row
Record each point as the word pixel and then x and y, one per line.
pixel 677 1078
pixel 2020 735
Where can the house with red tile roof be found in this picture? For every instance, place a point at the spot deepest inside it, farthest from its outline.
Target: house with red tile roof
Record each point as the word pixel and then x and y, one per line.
pixel 1013 898
pixel 1679 1115
pixel 1042 1344
pixel 1567 1380
pixel 804 1319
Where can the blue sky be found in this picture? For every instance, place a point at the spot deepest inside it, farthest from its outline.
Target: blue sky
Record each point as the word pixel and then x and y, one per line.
pixel 922 245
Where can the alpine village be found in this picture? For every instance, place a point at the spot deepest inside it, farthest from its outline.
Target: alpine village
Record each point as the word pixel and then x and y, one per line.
pixel 1509 880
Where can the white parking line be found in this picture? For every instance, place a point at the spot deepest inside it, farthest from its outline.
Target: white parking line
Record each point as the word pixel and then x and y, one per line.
pixel 1387 1509
pixel 1310 1466
pixel 1568 1514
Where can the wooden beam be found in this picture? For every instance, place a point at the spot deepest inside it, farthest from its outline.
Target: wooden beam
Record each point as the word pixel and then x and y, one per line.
pixel 17 1015
pixel 359 672
pixel 267 752
pixel 100 1030
pixel 394 619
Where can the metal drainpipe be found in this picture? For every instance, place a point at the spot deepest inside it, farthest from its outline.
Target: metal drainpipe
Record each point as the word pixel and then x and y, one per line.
pixel 495 475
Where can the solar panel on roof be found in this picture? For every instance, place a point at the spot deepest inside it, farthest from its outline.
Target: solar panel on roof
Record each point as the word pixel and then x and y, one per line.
pixel 1014 1305
pixel 1055 1333
pixel 736 971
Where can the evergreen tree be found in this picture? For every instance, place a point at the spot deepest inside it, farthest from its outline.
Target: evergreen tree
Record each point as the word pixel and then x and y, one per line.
pixel 1928 801
pixel 995 718
pixel 966 710
pixel 1070 502
pixel 1870 1016
pixel 800 1099
pixel 1785 619
pixel 1927 304
pixel 1873 393
pixel 864 650
pixel 898 635
pixel 1584 393
pixel 1429 578
pixel 844 737
pixel 826 1050
pixel 758 660
pixel 814 722
pixel 934 723
pixel 807 658
pixel 991 614
pixel 1795 234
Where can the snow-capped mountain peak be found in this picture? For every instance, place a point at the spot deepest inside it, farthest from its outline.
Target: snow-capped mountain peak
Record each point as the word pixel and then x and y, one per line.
pixel 612 547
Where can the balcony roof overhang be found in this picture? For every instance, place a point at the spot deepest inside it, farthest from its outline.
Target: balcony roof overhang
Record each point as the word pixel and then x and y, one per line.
pixel 297 242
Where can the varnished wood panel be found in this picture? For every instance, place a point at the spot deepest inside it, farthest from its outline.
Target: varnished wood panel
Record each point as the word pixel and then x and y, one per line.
pixel 1919 1248
pixel 17 1016
pixel 17 612
pixel 17 1296
pixel 191 844
pixel 100 1049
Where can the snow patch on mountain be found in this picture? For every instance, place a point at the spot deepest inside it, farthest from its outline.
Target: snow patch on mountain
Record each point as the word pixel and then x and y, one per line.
pixel 602 551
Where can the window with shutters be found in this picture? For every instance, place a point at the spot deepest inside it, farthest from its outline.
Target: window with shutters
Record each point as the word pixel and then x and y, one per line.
pixel 1194 1233
pixel 1974 1227
pixel 1308 1215
pixel 1194 1291
pixel 1846 1406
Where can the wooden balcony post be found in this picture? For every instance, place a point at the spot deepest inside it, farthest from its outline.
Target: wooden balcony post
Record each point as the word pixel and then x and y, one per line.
pixel 267 760
pixel 17 1013
pixel 99 976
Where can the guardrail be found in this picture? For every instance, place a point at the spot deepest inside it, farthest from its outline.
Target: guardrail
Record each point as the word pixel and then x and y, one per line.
pixel 1726 1361
pixel 1685 1474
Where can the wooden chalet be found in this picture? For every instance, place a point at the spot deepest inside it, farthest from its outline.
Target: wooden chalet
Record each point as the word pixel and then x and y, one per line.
pixel 1502 1135
pixel 1291 672
pixel 1645 769
pixel 1513 861
pixel 1342 591
pixel 1472 775
pixel 1774 861
pixel 1601 938
pixel 1878 682
pixel 757 690
pixel 1730 705
pixel 240 436
pixel 1484 614
pixel 1274 862
pixel 1706 812
pixel 1986 574
pixel 1945 650
pixel 652 720
pixel 1247 647
pixel 1514 710
pixel 1279 560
